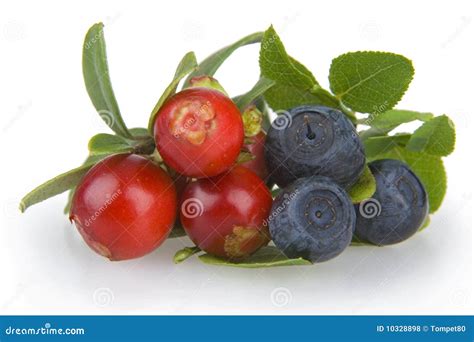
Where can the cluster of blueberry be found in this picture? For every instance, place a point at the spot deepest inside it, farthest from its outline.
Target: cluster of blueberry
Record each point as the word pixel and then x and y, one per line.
pixel 316 155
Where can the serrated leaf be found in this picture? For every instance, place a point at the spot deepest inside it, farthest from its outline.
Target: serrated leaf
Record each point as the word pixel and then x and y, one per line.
pixel 383 144
pixel 97 80
pixel 55 186
pixel 210 65
pixel 268 256
pixel 277 65
pixel 107 143
pixel 187 64
pixel 364 187
pixel 283 97
pixel 185 253
pixel 429 168
pixel 262 85
pixel 436 137
pixel 370 81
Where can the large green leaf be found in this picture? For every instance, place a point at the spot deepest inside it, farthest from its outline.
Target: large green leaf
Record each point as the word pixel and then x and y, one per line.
pixel 382 144
pixel 370 81
pixel 268 256
pixel 436 137
pixel 55 186
pixel 277 65
pixel 210 65
pixel 283 97
pixel 97 80
pixel 188 64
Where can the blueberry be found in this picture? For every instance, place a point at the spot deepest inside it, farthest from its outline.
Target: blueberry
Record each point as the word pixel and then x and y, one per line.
pixel 398 207
pixel 314 140
pixel 313 218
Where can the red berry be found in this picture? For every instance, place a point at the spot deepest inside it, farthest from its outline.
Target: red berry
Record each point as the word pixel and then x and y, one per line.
pixel 226 215
pixel 199 132
pixel 256 147
pixel 124 207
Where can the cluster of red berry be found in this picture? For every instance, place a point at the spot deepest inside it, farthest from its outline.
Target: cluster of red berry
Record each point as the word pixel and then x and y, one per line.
pixel 127 204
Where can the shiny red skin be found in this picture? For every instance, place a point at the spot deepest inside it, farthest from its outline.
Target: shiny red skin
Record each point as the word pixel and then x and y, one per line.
pixel 222 132
pixel 225 204
pixel 257 164
pixel 124 207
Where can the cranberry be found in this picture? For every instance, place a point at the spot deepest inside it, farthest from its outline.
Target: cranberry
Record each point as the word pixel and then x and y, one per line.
pixel 124 207
pixel 226 215
pixel 256 147
pixel 199 132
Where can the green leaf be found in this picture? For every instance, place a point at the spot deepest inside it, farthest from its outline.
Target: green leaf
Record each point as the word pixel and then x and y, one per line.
pixel 108 143
pixel 425 224
pixel 244 157
pixel 210 65
pixel 55 186
pixel 382 144
pixel 277 65
pixel 262 85
pixel 97 80
pixel 364 187
pixel 436 137
pixel 391 119
pixel 370 81
pixel 177 231
pixel 268 256
pixel 138 132
pixel 283 97
pixel 429 168
pixel 188 64
pixel 185 253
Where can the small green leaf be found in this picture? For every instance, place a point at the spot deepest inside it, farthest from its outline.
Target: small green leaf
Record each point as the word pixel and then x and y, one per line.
pixel 97 80
pixel 283 97
pixel 381 144
pixel 139 132
pixel 210 65
pixel 185 253
pixel 436 137
pixel 188 64
pixel 262 85
pixel 268 256
pixel 370 81
pixel 277 65
pixel 244 157
pixel 392 118
pixel 364 187
pixel 55 186
pixel 429 168
pixel 107 143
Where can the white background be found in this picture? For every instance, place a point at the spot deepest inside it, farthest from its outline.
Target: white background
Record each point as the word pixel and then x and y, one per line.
pixel 46 119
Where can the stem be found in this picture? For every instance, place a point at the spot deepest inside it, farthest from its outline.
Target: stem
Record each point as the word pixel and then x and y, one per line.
pixel 309 134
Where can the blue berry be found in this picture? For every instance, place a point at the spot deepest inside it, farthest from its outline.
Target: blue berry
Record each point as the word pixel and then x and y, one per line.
pixel 398 207
pixel 313 218
pixel 314 140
